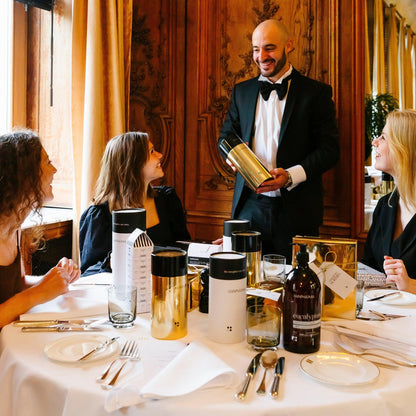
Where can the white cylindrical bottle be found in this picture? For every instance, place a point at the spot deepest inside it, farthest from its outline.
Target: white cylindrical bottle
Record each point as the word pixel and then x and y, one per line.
pixel 125 221
pixel 227 297
pixel 229 227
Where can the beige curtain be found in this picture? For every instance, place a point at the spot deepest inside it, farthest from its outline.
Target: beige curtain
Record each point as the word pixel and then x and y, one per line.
pixel 408 69
pixel 379 77
pixel 402 65
pixel 393 55
pixel 367 74
pixel 101 48
pixel 414 69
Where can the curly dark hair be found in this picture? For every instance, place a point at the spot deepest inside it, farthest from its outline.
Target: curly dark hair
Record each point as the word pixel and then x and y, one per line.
pixel 20 176
pixel 121 181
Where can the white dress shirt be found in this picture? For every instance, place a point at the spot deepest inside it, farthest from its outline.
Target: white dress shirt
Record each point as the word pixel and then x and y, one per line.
pixel 267 124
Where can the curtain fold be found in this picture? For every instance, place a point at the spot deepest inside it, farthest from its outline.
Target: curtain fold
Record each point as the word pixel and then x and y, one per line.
pixel 408 69
pixel 413 55
pixel 379 74
pixel 393 54
pixel 101 43
pixel 402 65
pixel 367 73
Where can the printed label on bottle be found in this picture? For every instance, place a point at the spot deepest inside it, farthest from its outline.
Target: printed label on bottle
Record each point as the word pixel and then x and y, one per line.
pixel 307 324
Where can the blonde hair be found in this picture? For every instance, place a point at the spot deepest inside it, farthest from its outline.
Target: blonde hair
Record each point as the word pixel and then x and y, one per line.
pixel 401 127
pixel 121 182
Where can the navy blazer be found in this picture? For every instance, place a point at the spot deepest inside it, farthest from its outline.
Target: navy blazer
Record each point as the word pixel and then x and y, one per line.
pixel 308 137
pixel 380 237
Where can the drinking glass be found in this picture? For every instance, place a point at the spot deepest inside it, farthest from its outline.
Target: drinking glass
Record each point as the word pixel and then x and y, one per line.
pixel 263 326
pixel 122 301
pixel 274 268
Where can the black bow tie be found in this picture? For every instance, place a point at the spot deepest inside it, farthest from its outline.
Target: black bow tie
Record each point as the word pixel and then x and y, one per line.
pixel 267 87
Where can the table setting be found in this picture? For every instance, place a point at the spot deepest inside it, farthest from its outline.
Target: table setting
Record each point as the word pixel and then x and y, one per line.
pixel 98 368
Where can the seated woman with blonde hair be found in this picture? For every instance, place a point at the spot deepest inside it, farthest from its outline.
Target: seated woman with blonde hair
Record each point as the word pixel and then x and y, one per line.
pixel 391 240
pixel 26 175
pixel 129 164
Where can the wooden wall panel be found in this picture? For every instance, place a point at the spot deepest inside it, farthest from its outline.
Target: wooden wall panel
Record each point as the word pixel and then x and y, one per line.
pixel 221 31
pixel 187 56
pixel 157 98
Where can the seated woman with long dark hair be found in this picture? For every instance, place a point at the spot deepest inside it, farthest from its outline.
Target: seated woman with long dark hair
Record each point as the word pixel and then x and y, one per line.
pixel 129 164
pixel 26 175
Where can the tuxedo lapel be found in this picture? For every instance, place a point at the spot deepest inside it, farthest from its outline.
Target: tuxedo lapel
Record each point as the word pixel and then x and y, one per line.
pixel 249 105
pixel 290 103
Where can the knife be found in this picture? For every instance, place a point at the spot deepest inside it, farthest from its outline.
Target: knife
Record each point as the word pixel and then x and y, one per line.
pixel 383 296
pixel 251 370
pixel 98 348
pixel 53 322
pixel 278 371
pixel 60 328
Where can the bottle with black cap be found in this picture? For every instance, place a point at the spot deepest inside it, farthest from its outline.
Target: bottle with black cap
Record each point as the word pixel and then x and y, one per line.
pixel 231 147
pixel 227 297
pixel 249 243
pixel 169 294
pixel 124 222
pixel 302 307
pixel 229 227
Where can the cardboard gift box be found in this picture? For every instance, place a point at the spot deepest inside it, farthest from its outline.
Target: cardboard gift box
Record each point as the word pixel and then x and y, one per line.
pixel 324 252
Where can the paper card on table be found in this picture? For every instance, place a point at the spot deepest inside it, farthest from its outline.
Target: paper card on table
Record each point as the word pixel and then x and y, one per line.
pixel 337 280
pixel 264 293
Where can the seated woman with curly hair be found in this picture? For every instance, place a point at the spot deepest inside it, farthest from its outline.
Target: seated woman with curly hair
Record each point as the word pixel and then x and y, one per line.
pixel 26 175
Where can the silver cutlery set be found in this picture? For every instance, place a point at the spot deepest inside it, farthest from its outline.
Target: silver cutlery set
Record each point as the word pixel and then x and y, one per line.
pixel 70 325
pixel 267 359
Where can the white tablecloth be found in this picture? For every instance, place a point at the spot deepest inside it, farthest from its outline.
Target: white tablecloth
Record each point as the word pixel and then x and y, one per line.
pixel 31 384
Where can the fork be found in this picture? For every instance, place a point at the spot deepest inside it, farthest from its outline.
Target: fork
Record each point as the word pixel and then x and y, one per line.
pixel 132 354
pixel 122 355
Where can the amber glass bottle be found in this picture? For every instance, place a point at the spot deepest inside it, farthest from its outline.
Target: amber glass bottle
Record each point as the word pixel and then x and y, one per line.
pixel 302 307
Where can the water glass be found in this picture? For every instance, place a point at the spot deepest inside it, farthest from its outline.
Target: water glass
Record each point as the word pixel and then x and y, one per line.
pixel 122 301
pixel 263 326
pixel 274 270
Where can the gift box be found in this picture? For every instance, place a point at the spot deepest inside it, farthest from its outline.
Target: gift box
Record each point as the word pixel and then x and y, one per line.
pixel 324 253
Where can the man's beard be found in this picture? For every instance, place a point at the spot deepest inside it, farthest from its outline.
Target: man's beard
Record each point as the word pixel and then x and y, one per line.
pixel 279 66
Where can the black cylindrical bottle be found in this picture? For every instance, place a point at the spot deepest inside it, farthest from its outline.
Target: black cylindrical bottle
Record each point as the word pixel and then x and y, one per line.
pixel 302 307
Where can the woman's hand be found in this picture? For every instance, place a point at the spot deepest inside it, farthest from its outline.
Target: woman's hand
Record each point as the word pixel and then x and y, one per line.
pixel 56 281
pixel 396 273
pixel 72 270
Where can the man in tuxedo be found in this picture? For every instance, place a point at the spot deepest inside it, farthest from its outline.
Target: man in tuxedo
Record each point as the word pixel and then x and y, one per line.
pixel 289 122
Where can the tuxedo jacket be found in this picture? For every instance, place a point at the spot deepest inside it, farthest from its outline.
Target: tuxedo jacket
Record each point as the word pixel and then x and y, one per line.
pixel 308 137
pixel 380 237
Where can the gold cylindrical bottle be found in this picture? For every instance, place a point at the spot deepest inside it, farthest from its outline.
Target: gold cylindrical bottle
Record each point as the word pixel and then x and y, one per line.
pixel 249 243
pixel 169 294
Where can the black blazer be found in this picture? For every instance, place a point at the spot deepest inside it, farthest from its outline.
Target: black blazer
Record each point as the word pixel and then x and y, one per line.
pixel 308 137
pixel 380 237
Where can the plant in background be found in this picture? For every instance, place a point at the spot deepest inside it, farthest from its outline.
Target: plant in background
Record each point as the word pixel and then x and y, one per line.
pixel 376 109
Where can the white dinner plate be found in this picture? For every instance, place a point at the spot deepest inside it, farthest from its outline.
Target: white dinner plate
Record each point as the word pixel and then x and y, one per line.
pixel 339 368
pixel 399 298
pixel 71 348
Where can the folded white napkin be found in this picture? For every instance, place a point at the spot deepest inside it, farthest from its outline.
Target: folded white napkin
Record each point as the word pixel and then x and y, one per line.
pixel 78 303
pixel 396 335
pixel 195 367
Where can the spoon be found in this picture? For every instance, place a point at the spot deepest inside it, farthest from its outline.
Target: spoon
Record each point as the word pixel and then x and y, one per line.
pixel 267 360
pixel 348 345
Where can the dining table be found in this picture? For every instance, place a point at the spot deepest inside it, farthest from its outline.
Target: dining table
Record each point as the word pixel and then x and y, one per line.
pixel 35 382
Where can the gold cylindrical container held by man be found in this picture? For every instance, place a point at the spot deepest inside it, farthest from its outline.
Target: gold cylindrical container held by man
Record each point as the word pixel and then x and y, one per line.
pixel 169 294
pixel 244 160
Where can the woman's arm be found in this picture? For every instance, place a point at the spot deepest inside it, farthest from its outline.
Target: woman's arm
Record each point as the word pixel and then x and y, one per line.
pixel 54 283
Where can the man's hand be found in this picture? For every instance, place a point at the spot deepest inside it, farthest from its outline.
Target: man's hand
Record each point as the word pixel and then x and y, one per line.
pixel 280 179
